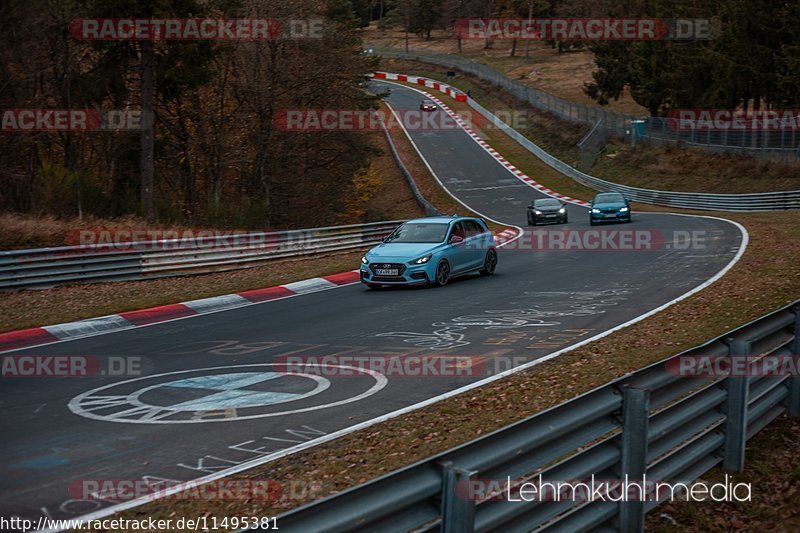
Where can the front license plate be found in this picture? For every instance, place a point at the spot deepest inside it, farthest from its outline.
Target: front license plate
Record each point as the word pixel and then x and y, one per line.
pixel 387 272
pixel 611 216
pixel 550 216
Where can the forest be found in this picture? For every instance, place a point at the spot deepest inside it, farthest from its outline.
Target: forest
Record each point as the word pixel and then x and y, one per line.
pixel 209 151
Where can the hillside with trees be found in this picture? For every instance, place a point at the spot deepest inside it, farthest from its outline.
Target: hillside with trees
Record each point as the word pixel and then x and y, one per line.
pixel 209 151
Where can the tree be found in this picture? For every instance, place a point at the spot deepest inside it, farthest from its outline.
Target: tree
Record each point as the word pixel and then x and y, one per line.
pixel 214 152
pixel 426 15
pixel 748 63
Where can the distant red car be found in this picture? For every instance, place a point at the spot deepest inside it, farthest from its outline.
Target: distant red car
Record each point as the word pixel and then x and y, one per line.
pixel 427 105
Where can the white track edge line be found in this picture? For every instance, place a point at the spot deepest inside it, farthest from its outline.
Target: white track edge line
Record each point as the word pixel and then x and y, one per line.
pixel 377 420
pixel 368 423
pixel 134 326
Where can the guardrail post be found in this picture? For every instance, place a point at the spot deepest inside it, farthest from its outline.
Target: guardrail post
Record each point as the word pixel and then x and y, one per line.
pixel 635 423
pixel 736 422
pixel 458 507
pixel 793 407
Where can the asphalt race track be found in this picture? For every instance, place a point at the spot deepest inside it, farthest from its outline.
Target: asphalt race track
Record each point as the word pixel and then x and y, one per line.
pixel 213 397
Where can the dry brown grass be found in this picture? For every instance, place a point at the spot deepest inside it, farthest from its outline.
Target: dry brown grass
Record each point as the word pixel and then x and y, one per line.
pixel 426 182
pixel 26 309
pixel 547 69
pixel 771 469
pixel 393 201
pixel 767 276
pixel 31 231
pixel 518 155
pixel 653 167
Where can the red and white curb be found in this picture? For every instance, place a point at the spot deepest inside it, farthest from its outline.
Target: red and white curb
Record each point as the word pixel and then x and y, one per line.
pixel 28 338
pixel 461 97
pixel 425 82
pixel 505 236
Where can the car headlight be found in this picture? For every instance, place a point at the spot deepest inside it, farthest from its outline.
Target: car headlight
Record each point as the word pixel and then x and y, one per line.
pixel 562 210
pixel 595 210
pixel 538 212
pixel 364 260
pixel 623 209
pixel 422 260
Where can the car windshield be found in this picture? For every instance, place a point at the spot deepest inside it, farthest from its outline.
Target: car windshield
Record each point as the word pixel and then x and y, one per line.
pixel 419 232
pixel 427 102
pixel 608 198
pixel 546 202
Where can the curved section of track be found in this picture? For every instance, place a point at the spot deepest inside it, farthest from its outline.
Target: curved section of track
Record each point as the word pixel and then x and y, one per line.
pixel 226 366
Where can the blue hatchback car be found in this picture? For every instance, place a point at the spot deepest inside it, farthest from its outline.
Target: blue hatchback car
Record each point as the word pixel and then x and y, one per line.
pixel 609 207
pixel 430 251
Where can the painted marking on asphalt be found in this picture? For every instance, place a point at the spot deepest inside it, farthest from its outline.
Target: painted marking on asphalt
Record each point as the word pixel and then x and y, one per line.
pixel 92 325
pixel 227 301
pixel 310 285
pixel 267 458
pixel 229 398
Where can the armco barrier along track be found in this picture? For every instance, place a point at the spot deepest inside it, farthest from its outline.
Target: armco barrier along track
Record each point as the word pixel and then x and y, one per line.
pixel 652 422
pixel 766 201
pixel 46 267
pixel 776 144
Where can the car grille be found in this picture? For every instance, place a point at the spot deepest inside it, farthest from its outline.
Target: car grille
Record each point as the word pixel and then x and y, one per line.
pixel 388 278
pixel 611 210
pixel 399 266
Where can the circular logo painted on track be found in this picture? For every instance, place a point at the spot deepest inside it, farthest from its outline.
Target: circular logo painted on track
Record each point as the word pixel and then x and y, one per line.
pixel 223 394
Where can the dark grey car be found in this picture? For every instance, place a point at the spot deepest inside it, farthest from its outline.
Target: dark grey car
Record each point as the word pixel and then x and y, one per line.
pixel 547 211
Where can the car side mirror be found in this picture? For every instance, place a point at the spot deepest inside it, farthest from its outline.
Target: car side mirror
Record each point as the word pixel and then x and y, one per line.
pixel 456 239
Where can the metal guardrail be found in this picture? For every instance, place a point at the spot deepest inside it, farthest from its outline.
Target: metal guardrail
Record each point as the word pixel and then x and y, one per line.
pixel 47 267
pixel 651 422
pixel 591 145
pixel 764 201
pixel 654 130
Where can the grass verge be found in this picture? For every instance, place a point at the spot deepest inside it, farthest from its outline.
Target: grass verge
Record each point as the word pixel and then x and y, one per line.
pixel 652 167
pixel 774 475
pixel 546 68
pixel 512 150
pixel 768 276
pixel 26 309
pixel 426 182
